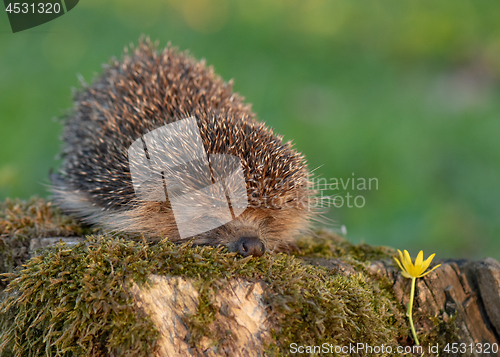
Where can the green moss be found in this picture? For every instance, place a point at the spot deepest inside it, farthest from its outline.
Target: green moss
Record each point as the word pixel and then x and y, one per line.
pixel 76 300
pixel 205 315
pixel 325 244
pixel 312 306
pixel 73 301
pixel 442 332
pixel 22 220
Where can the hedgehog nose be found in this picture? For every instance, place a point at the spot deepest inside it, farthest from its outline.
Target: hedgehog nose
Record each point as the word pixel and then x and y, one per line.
pixel 250 246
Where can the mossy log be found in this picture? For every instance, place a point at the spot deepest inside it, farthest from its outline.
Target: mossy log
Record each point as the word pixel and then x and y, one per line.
pixel 465 294
pixel 102 295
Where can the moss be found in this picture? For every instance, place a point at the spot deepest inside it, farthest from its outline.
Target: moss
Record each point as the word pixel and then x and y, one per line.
pixel 76 301
pixel 73 301
pixel 311 306
pixel 22 220
pixel 442 332
pixel 205 315
pixel 325 244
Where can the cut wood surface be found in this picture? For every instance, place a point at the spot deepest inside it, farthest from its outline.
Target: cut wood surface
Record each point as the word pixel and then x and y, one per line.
pixel 240 312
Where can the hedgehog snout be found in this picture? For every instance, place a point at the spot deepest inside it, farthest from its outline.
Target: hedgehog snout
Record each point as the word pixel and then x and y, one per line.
pixel 250 246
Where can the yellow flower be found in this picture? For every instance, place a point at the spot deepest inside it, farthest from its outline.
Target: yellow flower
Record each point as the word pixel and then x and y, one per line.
pixel 414 271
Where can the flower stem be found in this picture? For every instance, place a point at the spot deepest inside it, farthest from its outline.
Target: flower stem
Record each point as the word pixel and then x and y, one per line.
pixel 409 313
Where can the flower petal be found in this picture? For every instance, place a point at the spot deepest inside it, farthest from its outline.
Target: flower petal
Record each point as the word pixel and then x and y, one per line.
pixel 406 275
pixel 401 259
pixel 418 263
pixel 427 262
pixel 437 266
pixel 408 264
pixel 400 266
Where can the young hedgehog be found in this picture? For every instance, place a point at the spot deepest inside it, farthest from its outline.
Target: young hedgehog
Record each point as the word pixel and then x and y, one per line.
pixel 148 90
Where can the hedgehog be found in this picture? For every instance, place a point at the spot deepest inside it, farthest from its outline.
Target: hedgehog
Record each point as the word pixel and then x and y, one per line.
pixel 149 89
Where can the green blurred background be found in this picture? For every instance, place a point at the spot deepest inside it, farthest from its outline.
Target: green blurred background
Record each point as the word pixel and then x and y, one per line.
pixel 405 92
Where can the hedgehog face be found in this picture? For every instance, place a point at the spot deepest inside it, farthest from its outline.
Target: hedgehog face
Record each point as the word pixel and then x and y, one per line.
pixel 257 231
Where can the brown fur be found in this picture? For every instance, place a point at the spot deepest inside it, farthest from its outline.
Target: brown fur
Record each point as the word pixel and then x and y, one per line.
pixel 146 90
